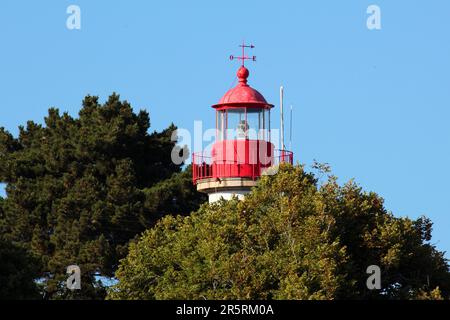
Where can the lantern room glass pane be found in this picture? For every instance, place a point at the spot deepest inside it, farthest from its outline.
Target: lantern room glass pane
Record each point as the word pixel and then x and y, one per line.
pixel 243 123
pixel 221 124
pixel 255 121
pixel 236 124
pixel 263 120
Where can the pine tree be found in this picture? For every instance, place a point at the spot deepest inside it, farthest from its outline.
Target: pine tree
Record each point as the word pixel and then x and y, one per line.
pixel 80 189
pixel 18 271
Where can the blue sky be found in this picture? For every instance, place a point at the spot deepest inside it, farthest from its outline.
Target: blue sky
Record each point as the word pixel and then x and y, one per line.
pixel 373 104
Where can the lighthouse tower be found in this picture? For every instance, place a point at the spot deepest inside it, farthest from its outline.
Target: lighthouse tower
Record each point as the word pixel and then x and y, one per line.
pixel 243 150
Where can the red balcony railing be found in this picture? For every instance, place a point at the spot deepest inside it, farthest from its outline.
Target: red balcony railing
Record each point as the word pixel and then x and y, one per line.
pixel 204 167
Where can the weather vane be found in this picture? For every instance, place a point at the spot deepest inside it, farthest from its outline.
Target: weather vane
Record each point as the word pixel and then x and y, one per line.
pixel 244 57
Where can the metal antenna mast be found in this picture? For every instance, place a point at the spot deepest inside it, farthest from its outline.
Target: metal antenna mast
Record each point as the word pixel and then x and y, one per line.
pixel 290 131
pixel 281 118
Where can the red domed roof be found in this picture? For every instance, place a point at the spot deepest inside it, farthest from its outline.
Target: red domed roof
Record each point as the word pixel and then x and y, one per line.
pixel 243 93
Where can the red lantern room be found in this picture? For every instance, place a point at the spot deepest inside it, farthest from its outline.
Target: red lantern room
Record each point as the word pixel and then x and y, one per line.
pixel 243 150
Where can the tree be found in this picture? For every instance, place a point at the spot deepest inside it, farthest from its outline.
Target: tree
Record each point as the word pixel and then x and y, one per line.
pixel 291 238
pixel 79 189
pixel 18 272
pixel 175 195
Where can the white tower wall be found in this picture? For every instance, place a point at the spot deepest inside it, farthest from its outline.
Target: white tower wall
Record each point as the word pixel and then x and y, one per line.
pixel 227 195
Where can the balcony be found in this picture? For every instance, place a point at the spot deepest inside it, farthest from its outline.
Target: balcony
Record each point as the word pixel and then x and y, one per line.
pixel 205 167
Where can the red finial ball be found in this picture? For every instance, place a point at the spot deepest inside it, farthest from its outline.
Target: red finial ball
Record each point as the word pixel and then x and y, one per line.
pixel 242 74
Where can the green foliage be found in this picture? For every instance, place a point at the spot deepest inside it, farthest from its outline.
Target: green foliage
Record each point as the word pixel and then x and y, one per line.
pixel 79 189
pixel 175 195
pixel 18 270
pixel 291 238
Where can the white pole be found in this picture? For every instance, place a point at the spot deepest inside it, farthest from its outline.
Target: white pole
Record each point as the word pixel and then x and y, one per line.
pixel 282 118
pixel 290 131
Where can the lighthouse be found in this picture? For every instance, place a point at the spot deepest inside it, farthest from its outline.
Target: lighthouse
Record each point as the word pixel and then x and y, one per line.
pixel 242 150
